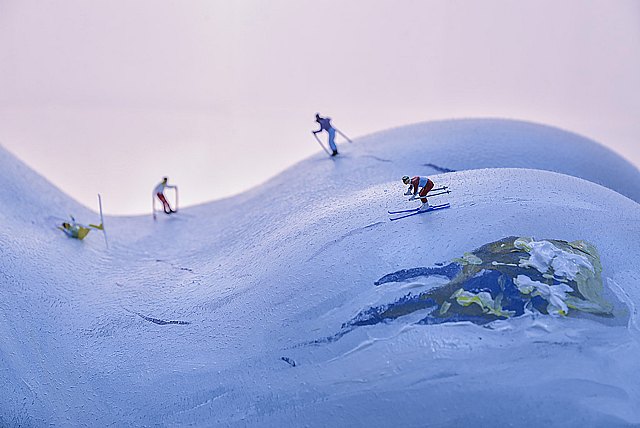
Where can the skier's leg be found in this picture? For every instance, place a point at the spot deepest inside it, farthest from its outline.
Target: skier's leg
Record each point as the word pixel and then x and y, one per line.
pixel 425 190
pixel 332 142
pixel 165 204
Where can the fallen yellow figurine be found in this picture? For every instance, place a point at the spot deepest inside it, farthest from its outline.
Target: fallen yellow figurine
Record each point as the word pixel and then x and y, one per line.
pixel 77 230
pixel 80 231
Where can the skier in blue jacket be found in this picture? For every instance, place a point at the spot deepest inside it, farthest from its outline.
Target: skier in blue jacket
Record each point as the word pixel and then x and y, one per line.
pixel 325 125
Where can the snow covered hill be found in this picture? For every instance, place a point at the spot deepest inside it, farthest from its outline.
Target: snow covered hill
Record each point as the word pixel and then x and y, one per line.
pixel 456 145
pixel 301 303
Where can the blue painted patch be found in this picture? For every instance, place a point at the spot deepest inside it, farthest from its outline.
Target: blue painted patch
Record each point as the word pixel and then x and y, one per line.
pixel 499 264
pixel 449 271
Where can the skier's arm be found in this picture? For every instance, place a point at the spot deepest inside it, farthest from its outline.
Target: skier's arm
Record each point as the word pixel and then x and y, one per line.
pixel 413 189
pixel 66 232
pixel 415 183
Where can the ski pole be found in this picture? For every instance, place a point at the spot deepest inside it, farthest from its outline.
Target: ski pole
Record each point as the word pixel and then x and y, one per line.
pixel 435 189
pixel 428 196
pixel 176 210
pixel 342 133
pixel 319 142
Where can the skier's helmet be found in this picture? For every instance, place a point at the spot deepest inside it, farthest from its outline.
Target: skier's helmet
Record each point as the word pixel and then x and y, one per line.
pixel 406 179
pixel 165 179
pixel 317 117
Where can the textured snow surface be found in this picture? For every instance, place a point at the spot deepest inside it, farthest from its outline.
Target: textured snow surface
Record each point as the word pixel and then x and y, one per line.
pixel 218 315
pixel 456 145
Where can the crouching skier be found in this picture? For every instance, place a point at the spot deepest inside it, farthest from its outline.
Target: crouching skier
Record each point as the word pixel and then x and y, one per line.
pixel 158 192
pixel 425 184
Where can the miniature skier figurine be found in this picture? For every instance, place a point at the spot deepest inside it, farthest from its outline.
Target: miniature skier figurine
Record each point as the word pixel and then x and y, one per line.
pixel 158 192
pixel 325 125
pixel 77 230
pixel 425 184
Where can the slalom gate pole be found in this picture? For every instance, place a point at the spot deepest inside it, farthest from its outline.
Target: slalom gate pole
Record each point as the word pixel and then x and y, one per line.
pixel 104 230
pixel 321 145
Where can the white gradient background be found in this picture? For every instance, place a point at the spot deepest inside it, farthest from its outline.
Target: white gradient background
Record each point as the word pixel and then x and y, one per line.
pixel 110 95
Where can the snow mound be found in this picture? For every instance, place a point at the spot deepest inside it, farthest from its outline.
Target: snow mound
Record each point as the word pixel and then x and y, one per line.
pixel 235 312
pixel 456 145
pixel 24 193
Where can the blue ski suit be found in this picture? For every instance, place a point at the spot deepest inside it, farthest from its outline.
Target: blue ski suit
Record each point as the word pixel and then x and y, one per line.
pixel 325 125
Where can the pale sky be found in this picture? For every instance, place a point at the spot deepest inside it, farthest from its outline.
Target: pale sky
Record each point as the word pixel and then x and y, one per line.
pixel 110 95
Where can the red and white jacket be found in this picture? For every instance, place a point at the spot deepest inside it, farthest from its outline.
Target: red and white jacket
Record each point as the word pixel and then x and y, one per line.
pixel 416 183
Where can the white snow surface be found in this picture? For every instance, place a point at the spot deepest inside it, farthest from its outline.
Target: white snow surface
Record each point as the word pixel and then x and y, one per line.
pixel 185 321
pixel 498 143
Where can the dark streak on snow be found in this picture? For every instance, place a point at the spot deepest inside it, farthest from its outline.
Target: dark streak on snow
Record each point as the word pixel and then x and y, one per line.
pixel 161 322
pixel 289 361
pixel 174 266
pixel 439 168
pixel 157 320
pixel 376 158
pixel 346 235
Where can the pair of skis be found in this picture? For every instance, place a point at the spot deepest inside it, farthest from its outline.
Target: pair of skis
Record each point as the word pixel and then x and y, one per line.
pixel 415 211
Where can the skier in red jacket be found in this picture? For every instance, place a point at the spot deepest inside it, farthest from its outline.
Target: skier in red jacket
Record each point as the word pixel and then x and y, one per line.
pixel 425 184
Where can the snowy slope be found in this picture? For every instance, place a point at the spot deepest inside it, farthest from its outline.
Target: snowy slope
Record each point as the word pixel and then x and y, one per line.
pixel 186 320
pixel 455 145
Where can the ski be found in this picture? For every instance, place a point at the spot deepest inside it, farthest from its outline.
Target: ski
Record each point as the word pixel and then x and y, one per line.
pixel 414 209
pixel 403 211
pixel 341 133
pixel 416 199
pixel 433 208
pixel 321 145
